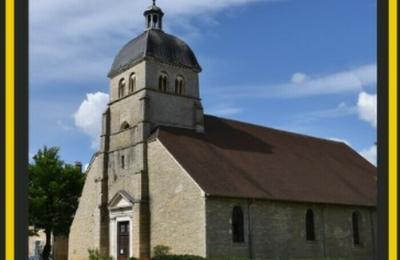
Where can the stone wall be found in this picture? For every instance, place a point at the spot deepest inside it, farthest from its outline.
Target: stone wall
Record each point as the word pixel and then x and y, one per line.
pixel 278 229
pixel 166 108
pixel 176 205
pixel 154 69
pixel 85 229
pixel 130 121
pixel 140 72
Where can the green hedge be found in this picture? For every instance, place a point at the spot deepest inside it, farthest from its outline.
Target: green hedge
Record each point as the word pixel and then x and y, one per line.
pixel 192 257
pixel 177 257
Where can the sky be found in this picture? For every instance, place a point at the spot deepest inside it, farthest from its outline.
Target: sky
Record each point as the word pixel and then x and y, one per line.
pixel 306 66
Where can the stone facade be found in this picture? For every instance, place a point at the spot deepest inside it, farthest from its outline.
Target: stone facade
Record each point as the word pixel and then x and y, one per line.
pixel 140 111
pixel 123 163
pixel 177 205
pixel 277 229
pixel 85 229
pixel 189 222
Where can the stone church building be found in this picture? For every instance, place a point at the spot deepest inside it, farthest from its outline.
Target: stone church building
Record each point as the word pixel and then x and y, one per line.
pixel 166 174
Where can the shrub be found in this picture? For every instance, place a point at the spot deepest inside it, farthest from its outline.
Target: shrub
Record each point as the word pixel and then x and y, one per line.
pixel 94 254
pixel 177 257
pixel 161 250
pixel 236 258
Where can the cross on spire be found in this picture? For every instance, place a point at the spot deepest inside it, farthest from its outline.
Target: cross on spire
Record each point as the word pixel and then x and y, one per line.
pixel 154 2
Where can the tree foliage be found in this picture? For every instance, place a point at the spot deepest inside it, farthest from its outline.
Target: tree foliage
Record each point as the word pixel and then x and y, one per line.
pixel 53 192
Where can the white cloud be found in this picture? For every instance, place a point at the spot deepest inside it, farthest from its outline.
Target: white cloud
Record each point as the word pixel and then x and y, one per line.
pixel 75 40
pixel 367 108
pixel 224 110
pixel 65 127
pixel 366 74
pixel 341 110
pixel 339 82
pixel 302 85
pixel 370 154
pixel 89 115
pixel 298 78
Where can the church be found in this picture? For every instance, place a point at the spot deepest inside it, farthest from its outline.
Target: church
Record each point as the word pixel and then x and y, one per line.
pixel 167 174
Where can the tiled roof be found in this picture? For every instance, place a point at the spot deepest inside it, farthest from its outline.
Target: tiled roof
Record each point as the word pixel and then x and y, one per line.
pixel 158 45
pixel 235 159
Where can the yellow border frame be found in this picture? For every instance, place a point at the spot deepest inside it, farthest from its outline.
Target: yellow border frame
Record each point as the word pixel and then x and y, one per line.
pixel 10 117
pixel 392 129
pixel 10 128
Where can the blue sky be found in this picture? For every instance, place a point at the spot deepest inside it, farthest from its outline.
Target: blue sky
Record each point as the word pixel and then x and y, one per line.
pixel 307 66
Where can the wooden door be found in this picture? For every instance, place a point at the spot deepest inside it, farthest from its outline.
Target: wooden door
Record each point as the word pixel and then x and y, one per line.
pixel 123 240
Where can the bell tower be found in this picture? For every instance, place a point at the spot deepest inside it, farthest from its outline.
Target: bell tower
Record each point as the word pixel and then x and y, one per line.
pixel 154 82
pixel 154 16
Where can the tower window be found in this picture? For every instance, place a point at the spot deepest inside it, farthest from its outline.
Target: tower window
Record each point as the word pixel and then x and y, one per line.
pixel 122 161
pixel 155 20
pixel 310 232
pixel 356 228
pixel 132 83
pixel 148 21
pixel 121 88
pixel 125 125
pixel 179 85
pixel 163 82
pixel 237 225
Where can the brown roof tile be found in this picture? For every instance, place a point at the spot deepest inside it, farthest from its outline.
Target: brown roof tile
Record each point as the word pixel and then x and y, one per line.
pixel 235 159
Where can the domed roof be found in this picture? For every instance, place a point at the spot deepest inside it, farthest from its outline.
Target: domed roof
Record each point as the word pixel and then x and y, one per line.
pixel 153 8
pixel 158 45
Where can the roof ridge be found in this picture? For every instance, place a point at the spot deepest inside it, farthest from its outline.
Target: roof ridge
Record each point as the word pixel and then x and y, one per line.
pixel 146 45
pixel 276 129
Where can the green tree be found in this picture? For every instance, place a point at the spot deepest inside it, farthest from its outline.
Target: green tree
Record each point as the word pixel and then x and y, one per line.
pixel 53 194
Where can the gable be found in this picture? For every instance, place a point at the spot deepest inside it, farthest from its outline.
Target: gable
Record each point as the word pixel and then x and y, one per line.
pixel 167 172
pixel 121 199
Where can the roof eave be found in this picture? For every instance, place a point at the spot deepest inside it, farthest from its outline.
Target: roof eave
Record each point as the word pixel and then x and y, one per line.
pixel 217 196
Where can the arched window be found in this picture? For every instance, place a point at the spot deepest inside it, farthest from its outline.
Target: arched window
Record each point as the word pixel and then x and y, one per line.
pixel 163 82
pixel 155 20
pixel 179 85
pixel 125 125
pixel 132 82
pixel 356 219
pixel 310 232
pixel 121 88
pixel 237 224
